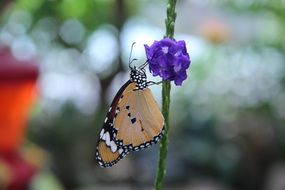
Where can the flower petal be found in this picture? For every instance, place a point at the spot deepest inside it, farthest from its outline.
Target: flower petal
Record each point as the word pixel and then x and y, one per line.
pixel 168 59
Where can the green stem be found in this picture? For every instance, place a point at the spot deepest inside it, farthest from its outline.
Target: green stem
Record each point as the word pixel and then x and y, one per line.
pixel 166 87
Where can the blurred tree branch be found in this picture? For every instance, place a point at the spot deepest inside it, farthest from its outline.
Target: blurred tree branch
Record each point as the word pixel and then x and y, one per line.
pixel 120 16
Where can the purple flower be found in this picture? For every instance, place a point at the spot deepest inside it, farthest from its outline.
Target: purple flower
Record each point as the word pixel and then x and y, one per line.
pixel 168 59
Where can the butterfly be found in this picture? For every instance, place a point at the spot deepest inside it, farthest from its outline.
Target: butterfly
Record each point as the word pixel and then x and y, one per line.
pixel 133 122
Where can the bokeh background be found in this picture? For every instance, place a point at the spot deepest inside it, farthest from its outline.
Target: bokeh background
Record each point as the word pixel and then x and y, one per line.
pixel 61 63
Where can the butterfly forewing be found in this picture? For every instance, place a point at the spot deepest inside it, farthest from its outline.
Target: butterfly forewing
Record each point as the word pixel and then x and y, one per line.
pixel 139 123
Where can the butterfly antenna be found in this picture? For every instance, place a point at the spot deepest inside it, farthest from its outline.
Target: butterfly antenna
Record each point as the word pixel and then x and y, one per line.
pixel 143 65
pixel 130 61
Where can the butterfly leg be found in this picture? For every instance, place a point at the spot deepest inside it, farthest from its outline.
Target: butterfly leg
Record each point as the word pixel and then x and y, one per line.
pixel 143 65
pixel 149 83
pixel 130 61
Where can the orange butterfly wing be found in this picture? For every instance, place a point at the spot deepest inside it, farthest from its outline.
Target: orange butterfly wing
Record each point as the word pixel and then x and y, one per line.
pixel 105 155
pixel 139 122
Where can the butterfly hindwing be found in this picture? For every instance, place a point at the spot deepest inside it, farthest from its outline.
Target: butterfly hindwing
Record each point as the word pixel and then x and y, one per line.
pixel 105 155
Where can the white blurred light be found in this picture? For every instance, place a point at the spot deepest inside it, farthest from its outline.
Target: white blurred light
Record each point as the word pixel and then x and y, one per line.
pixel 24 48
pixel 64 80
pixel 140 32
pixel 72 31
pixel 49 25
pixel 62 60
pixel 102 49
pixel 17 25
pixel 196 47
pixel 19 22
pixel 80 89
pixel 44 32
pixel 6 38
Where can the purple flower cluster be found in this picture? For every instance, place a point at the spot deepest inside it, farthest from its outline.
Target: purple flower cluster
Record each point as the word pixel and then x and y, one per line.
pixel 168 59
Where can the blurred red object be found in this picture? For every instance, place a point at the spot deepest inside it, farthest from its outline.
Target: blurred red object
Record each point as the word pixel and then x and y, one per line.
pixel 18 172
pixel 17 93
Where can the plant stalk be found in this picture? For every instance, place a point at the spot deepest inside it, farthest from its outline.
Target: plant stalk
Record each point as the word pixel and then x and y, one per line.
pixel 166 87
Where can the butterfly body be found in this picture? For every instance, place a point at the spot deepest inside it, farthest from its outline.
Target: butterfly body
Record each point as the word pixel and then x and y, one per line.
pixel 133 121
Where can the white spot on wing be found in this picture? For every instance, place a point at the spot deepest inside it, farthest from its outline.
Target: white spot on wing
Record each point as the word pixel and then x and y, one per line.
pixel 104 136
pixel 113 146
pixel 107 138
pixel 120 150
pixel 105 119
pixel 101 133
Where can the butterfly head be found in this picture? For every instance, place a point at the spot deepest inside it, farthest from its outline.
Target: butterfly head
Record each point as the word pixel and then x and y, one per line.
pixel 138 76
